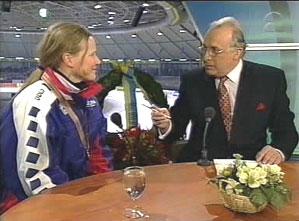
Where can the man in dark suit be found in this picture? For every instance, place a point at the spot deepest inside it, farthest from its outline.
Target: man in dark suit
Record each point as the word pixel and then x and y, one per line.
pixel 250 101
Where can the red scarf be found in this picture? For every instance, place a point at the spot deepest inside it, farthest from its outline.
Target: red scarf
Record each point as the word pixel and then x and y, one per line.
pixel 91 90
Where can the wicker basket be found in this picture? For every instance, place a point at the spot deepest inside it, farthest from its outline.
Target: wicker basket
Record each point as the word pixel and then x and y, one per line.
pixel 239 203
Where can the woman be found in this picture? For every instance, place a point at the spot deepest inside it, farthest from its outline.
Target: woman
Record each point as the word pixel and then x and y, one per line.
pixel 54 131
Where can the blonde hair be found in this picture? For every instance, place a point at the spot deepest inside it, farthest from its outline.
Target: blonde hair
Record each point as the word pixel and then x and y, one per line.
pixel 61 37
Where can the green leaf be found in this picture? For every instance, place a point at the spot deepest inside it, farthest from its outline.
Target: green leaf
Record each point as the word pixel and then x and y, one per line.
pixel 284 189
pixel 277 198
pixel 247 191
pixel 267 191
pixel 257 197
pixel 152 89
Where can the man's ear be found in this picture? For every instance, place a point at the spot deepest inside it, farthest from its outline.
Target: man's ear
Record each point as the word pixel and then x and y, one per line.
pixel 239 54
pixel 67 59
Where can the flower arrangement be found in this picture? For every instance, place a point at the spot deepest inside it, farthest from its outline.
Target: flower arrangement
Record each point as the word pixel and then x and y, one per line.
pixel 249 187
pixel 139 145
pixel 134 146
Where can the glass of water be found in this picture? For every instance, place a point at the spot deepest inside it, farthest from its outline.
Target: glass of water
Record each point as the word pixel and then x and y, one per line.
pixel 134 185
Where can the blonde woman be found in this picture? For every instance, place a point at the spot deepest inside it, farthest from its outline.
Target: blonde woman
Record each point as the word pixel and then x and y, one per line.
pixel 54 131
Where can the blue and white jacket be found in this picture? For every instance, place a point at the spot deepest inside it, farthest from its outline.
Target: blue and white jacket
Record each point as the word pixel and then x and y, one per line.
pixel 40 146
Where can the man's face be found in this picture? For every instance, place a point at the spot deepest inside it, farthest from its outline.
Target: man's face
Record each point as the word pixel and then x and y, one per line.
pixel 226 57
pixel 86 62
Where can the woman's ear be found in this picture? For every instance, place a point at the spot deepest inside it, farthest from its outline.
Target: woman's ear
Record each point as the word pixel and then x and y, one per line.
pixel 67 59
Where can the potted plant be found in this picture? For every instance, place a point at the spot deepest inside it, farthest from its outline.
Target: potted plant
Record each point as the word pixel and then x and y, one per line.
pixel 250 187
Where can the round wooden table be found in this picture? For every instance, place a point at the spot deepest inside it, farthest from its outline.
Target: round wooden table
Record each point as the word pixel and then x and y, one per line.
pixel 173 192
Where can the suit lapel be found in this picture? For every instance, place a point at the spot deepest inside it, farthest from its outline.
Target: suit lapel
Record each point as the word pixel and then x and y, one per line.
pixel 243 98
pixel 209 89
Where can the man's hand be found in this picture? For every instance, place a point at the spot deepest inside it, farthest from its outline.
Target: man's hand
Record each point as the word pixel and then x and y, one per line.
pixel 161 118
pixel 269 155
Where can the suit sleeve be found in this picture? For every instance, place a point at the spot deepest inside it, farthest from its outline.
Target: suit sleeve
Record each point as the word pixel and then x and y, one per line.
pixel 180 114
pixel 282 128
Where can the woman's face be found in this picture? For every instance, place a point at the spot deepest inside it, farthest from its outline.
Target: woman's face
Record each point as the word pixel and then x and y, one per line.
pixel 85 62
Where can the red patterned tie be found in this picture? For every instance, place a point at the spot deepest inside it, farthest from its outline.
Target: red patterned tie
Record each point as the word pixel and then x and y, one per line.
pixel 224 105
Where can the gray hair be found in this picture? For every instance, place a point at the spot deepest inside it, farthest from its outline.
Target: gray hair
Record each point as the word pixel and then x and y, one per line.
pixel 238 34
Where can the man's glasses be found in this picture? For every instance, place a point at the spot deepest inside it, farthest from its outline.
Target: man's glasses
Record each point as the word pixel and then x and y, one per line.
pixel 213 52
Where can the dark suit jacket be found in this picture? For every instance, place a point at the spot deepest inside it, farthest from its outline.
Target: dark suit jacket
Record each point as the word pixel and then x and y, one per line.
pixel 261 106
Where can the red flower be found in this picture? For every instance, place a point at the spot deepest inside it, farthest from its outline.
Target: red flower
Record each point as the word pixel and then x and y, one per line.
pixel 147 148
pixel 261 107
pixel 134 132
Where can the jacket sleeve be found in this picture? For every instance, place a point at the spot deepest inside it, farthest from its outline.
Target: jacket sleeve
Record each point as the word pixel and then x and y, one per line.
pixel 33 155
pixel 283 132
pixel 180 115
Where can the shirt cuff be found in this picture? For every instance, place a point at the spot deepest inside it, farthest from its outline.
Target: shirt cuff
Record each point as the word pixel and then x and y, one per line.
pixel 163 136
pixel 281 153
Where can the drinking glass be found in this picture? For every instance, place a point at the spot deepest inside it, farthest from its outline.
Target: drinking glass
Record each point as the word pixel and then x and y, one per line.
pixel 134 185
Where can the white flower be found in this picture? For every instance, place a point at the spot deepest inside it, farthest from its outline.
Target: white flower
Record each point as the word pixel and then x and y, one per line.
pixel 251 164
pixel 231 186
pixel 227 171
pixel 274 169
pixel 252 175
pixel 274 174
pixel 243 177
pixel 220 168
pixel 257 177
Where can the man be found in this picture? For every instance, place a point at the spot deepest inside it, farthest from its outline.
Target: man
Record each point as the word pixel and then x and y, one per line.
pixel 53 130
pixel 249 99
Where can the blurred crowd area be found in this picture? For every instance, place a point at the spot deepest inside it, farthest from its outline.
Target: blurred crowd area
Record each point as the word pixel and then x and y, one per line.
pixel 14 73
pixel 166 73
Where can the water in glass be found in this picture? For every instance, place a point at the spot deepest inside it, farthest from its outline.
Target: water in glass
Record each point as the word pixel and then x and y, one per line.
pixel 134 185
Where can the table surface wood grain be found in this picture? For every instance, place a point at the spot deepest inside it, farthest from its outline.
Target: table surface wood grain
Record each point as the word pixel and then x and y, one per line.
pixel 173 192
